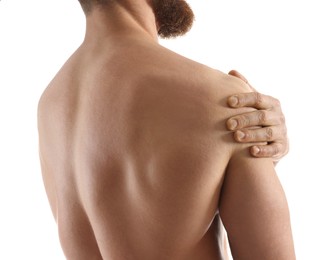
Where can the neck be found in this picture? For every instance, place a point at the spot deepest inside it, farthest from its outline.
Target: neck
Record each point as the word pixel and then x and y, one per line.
pixel 116 21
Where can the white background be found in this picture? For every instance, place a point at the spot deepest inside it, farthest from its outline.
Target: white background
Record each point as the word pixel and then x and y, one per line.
pixel 281 46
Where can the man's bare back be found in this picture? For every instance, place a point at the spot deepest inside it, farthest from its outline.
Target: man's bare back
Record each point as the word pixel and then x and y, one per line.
pixel 134 150
pixel 132 154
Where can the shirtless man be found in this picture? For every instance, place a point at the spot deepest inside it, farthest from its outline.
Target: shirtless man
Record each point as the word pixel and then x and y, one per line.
pixel 135 154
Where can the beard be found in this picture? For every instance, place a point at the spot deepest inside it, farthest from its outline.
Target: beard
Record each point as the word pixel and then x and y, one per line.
pixel 173 17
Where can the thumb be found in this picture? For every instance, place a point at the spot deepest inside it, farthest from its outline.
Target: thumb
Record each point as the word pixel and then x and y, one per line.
pixel 240 76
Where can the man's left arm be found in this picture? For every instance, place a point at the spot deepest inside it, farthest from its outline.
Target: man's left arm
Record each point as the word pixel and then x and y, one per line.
pixel 268 116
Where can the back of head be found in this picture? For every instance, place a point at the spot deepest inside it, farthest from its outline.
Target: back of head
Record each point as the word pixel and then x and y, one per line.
pixel 173 17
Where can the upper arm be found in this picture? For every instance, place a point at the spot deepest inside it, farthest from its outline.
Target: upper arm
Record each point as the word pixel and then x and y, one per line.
pixel 254 210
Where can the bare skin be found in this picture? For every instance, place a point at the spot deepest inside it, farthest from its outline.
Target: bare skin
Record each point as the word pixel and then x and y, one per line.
pixel 136 158
pixel 268 115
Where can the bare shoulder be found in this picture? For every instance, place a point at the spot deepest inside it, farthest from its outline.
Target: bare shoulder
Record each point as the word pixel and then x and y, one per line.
pixel 177 75
pixel 188 103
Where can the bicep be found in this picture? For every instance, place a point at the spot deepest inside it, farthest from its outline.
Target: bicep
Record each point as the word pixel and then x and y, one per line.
pixel 254 210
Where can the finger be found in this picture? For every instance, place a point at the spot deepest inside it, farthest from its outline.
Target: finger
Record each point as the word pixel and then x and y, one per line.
pixel 253 99
pixel 237 74
pixel 240 76
pixel 265 134
pixel 273 150
pixel 255 118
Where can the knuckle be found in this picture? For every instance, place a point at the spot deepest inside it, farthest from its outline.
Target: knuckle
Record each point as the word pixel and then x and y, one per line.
pixel 262 116
pixel 258 98
pixel 269 133
pixel 243 121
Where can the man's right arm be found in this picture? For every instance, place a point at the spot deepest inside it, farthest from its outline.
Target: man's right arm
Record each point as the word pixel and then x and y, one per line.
pixel 254 210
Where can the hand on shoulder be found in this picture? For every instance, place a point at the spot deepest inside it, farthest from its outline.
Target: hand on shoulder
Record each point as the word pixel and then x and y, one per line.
pixel 268 116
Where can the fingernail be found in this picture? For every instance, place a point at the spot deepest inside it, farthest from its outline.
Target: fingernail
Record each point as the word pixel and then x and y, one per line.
pixel 256 150
pixel 233 124
pixel 240 135
pixel 233 101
